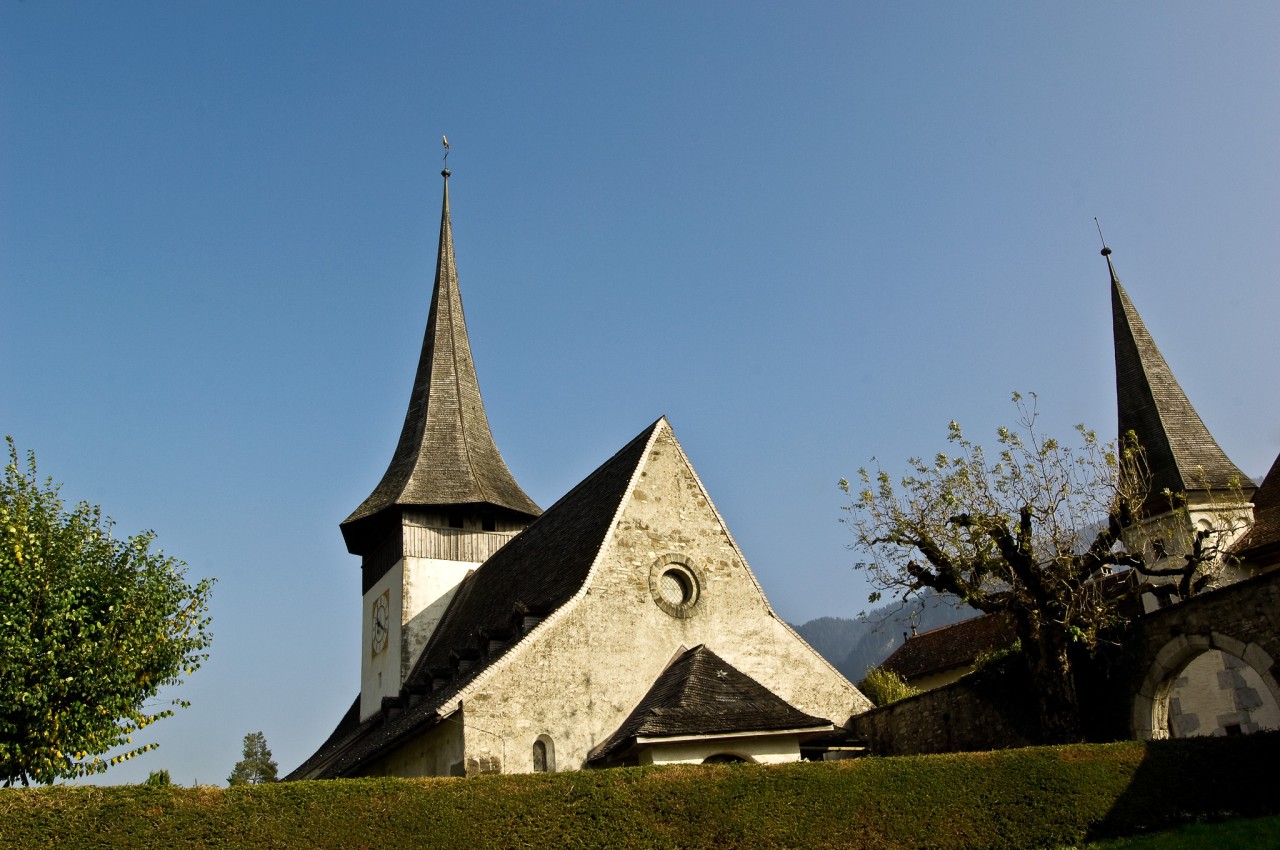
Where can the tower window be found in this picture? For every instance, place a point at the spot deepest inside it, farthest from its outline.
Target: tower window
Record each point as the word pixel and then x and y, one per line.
pixel 455 519
pixel 488 521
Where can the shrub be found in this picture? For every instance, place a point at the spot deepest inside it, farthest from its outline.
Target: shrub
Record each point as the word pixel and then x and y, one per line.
pixel 157 777
pixel 883 686
pixel 1029 798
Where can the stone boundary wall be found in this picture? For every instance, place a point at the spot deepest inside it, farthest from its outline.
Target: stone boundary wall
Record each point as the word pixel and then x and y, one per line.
pixel 1120 691
pixel 974 713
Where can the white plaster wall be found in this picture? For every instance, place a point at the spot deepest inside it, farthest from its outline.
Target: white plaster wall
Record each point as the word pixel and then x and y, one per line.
pixel 582 671
pixel 420 590
pixel 428 586
pixel 937 680
pixel 380 674
pixel 1229 520
pixel 437 752
pixel 762 750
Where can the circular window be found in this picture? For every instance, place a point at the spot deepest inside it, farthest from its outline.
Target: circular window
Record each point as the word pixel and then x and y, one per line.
pixel 674 584
pixel 676 587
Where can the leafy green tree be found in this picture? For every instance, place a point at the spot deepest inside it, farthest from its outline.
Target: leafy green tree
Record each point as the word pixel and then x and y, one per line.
pixel 257 766
pixel 1038 532
pixel 91 628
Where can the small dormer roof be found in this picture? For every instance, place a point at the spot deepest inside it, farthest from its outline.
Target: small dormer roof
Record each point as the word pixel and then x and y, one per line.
pixel 700 694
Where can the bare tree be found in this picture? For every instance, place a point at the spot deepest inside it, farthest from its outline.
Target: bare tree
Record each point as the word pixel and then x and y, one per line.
pixel 1055 536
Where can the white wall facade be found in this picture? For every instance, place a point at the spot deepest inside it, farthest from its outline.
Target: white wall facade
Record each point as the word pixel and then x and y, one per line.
pixel 417 591
pixel 761 749
pixel 437 752
pixel 428 587
pixel 380 670
pixel 580 673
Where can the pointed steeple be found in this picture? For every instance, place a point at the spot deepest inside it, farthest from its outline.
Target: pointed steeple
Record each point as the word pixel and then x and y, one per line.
pixel 446 456
pixel 1181 453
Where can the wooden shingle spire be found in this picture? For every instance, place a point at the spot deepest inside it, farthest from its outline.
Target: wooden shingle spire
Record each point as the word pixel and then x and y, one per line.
pixel 446 456
pixel 1182 455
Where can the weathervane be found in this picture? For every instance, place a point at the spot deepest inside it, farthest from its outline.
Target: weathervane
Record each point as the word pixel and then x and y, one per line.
pixel 445 140
pixel 1106 252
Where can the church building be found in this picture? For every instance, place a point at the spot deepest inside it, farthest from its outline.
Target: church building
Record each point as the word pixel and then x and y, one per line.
pixel 620 626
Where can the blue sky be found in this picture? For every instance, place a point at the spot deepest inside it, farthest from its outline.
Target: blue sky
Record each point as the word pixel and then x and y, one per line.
pixel 809 236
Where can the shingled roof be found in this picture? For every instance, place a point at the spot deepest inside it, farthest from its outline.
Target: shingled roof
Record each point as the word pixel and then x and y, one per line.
pixel 1263 539
pixel 446 454
pixel 949 647
pixel 536 573
pixel 701 694
pixel 1181 453
pixel 543 566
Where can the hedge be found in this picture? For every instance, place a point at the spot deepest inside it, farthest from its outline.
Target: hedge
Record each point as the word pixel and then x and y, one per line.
pixel 1036 797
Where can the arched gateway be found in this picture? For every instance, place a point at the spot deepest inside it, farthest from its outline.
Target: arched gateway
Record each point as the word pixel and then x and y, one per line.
pixel 1232 635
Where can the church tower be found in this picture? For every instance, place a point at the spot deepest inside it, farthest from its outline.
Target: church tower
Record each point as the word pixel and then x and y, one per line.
pixel 445 504
pixel 1182 457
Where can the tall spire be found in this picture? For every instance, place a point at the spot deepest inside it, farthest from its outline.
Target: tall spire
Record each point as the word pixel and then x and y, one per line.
pixel 446 456
pixel 1181 453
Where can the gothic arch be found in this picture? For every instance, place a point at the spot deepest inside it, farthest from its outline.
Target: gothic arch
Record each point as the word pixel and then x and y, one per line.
pixel 1150 717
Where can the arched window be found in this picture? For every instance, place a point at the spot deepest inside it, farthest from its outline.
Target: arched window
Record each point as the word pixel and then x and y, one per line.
pixel 544 755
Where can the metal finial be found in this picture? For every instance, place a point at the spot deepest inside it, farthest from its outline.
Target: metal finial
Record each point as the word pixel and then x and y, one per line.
pixel 447 147
pixel 1106 252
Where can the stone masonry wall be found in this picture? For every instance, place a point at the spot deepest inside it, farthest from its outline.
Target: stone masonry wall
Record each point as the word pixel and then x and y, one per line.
pixel 1127 695
pixel 967 715
pixel 1241 620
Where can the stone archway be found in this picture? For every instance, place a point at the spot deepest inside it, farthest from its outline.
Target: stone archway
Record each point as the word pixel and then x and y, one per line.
pixel 1249 663
pixel 728 758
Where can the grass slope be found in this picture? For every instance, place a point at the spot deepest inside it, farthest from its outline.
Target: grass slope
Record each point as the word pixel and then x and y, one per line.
pixel 1038 797
pixel 1241 834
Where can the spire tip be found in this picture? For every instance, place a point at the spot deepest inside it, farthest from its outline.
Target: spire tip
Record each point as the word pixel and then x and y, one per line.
pixel 1106 252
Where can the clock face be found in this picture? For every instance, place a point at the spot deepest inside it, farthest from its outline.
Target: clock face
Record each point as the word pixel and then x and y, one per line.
pixel 381 625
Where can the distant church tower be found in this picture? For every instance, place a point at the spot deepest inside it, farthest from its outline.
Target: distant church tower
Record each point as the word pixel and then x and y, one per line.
pixel 1182 456
pixel 445 504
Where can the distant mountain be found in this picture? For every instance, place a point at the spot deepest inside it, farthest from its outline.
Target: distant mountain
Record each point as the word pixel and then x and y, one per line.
pixel 854 645
pixel 833 638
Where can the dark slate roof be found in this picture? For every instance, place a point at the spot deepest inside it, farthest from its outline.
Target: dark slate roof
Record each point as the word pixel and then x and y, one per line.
pixel 949 647
pixel 536 573
pixel 701 694
pixel 543 566
pixel 1181 453
pixel 446 454
pixel 1264 535
pixel 338 738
